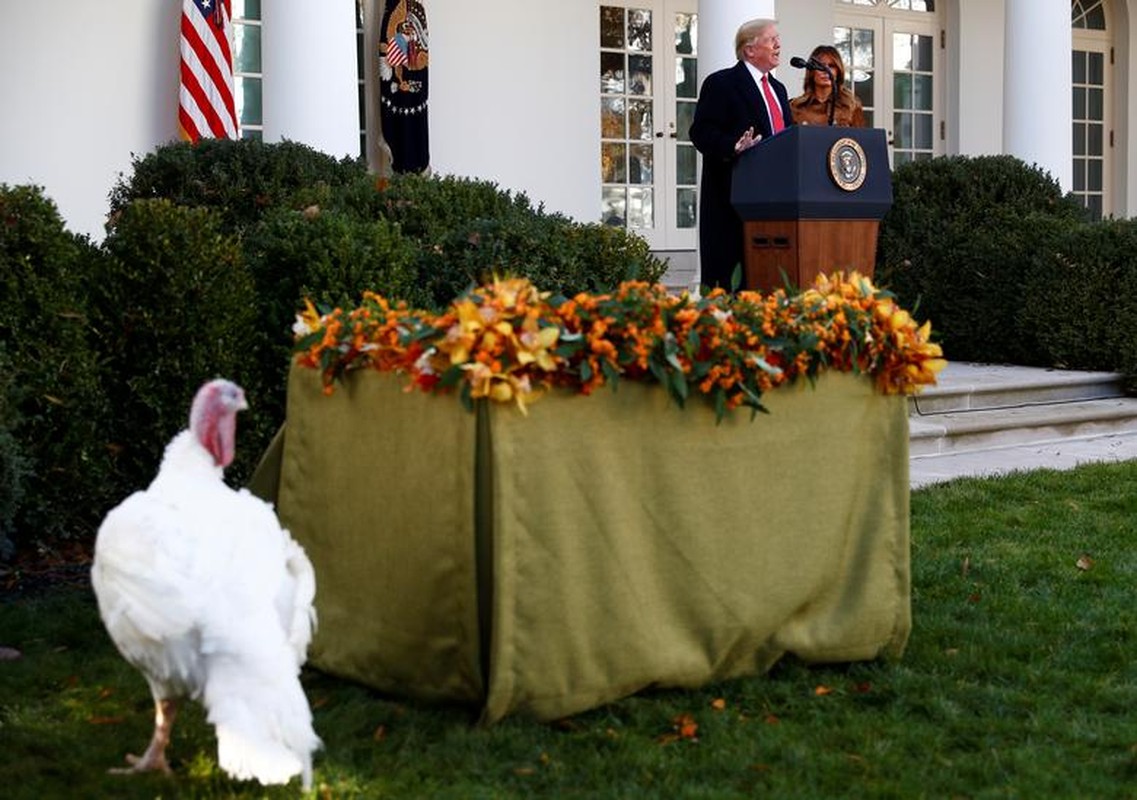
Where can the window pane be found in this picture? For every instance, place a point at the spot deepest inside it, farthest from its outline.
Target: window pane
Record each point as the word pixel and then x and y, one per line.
pixel 1079 139
pixel 247 46
pixel 612 118
pixel 685 208
pixel 684 116
pixel 1079 175
pixel 686 78
pixel 902 52
pixel 640 212
pixel 639 75
pixel 863 87
pixel 612 27
pixel 923 131
pixel 612 166
pixel 640 125
pixel 246 9
pixel 639 30
pixel 1079 66
pixel 685 165
pixel 686 34
pixel 922 92
pixel 1079 103
pixel 613 206
pixel 640 164
pixel 902 130
pixel 864 48
pixel 248 100
pixel 902 90
pixel 612 73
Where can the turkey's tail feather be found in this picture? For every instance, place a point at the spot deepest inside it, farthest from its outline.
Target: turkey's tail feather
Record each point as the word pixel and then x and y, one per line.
pixel 263 723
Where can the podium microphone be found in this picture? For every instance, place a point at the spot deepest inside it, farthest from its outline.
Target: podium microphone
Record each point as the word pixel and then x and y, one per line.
pixel 801 63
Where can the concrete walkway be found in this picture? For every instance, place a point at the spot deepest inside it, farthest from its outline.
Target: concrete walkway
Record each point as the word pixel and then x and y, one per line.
pixel 994 390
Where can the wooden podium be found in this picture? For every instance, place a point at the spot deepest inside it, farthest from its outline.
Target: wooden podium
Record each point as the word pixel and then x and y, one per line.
pixel 811 199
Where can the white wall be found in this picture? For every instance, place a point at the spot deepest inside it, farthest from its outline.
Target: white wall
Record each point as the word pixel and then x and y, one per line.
pixel 803 24
pixel 975 103
pixel 515 97
pixel 81 92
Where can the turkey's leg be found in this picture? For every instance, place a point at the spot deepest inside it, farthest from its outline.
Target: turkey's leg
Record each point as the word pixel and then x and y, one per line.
pixel 155 756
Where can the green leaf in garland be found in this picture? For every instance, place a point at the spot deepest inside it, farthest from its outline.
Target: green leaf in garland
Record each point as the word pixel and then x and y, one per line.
pixel 450 378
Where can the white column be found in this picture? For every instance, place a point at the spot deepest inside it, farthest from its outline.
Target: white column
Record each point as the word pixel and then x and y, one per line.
pixel 1037 77
pixel 311 87
pixel 718 22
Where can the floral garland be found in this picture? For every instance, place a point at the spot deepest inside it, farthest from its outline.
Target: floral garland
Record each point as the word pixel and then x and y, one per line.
pixel 509 342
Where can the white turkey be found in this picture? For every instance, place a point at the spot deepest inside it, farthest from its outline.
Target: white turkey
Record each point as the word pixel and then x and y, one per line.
pixel 203 591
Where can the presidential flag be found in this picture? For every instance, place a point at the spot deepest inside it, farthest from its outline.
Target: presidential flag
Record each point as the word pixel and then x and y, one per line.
pixel 205 101
pixel 404 56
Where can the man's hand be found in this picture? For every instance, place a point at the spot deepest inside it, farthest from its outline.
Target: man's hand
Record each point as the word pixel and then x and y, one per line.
pixel 747 141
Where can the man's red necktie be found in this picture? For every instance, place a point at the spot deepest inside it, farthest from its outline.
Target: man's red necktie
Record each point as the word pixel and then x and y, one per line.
pixel 776 121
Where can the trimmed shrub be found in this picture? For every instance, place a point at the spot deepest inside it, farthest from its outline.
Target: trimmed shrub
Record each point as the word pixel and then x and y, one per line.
pixel 1081 301
pixel 15 467
pixel 51 407
pixel 959 242
pixel 469 230
pixel 240 179
pixel 329 257
pixel 172 307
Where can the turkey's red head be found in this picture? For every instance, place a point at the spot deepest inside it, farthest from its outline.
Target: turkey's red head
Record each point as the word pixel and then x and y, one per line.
pixel 213 418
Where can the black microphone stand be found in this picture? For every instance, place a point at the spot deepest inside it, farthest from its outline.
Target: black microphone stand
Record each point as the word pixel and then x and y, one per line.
pixel 833 90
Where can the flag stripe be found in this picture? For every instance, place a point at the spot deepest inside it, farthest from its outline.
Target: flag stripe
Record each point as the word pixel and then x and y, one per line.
pixel 205 99
pixel 208 55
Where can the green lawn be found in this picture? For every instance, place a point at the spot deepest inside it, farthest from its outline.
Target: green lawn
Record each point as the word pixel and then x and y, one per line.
pixel 1020 681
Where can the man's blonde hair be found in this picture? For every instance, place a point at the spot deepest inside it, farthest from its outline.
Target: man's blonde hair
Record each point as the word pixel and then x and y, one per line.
pixel 749 31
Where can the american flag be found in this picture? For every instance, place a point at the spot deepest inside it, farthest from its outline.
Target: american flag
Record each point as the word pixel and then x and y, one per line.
pixel 205 103
pixel 397 50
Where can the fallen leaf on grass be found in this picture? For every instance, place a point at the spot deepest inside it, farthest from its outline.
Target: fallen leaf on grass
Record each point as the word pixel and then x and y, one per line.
pixel 105 720
pixel 772 719
pixel 821 691
pixel 718 704
pixel 864 687
pixel 1084 562
pixel 683 727
pixel 380 733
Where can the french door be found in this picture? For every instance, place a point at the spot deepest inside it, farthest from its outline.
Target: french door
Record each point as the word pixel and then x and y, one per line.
pixel 647 89
pixel 893 66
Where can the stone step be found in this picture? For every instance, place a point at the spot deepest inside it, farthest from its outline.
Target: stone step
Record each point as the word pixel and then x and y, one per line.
pixel 970 387
pixel 1028 422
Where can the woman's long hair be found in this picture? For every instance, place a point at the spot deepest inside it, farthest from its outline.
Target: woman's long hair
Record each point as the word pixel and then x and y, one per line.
pixel 831 53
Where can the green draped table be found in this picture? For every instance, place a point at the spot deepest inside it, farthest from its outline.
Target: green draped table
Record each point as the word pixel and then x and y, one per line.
pixel 547 564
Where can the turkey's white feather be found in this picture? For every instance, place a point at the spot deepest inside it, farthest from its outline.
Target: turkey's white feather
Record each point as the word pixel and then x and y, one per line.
pixel 203 591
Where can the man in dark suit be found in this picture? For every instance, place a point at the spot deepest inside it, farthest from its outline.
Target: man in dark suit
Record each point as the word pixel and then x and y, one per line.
pixel 737 107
